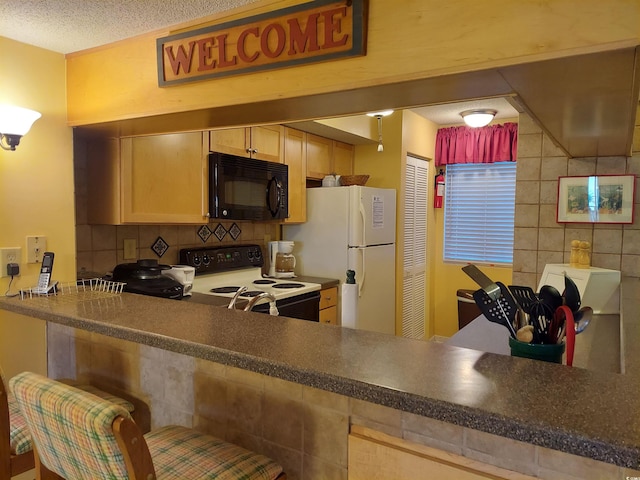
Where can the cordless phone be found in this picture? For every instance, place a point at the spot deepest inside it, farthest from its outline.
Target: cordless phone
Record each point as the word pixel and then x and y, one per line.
pixel 45 272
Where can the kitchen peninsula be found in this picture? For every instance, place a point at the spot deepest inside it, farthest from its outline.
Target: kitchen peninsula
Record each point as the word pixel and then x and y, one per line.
pixel 295 389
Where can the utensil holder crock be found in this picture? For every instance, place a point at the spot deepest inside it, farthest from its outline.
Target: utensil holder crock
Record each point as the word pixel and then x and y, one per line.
pixel 545 352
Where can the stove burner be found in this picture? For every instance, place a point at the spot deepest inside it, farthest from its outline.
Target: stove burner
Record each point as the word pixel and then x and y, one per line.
pixel 224 290
pixel 288 285
pixel 252 293
pixel 264 282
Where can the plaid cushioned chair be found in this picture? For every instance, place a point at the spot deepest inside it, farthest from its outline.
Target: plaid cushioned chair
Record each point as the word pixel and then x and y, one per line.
pixel 16 450
pixel 79 436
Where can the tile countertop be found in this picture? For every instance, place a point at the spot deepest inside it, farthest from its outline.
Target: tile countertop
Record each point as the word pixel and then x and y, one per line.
pixel 588 413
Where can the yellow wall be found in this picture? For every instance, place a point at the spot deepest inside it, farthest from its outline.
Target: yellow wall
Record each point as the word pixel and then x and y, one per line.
pixel 419 140
pixel 36 188
pixel 404 133
pixel 449 277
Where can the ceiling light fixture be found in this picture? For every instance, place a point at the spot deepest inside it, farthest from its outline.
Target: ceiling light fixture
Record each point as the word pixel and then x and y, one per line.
pixel 379 116
pixel 478 118
pixel 15 122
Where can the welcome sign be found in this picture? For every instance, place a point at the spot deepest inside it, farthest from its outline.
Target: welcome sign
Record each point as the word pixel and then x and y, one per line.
pixel 310 32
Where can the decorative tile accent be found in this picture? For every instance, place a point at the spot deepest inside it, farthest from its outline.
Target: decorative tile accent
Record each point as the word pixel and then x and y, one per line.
pixel 220 232
pixel 204 232
pixel 160 246
pixel 235 231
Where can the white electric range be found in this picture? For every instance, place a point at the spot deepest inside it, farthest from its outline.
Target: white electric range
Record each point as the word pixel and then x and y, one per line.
pixel 221 271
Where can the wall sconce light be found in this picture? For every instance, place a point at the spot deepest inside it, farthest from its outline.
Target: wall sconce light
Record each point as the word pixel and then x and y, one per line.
pixel 478 118
pixel 14 123
pixel 379 116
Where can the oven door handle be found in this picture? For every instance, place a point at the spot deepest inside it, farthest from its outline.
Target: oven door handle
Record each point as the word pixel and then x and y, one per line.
pixel 274 187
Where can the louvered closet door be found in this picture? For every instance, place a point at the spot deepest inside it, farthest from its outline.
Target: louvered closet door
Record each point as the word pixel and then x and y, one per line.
pixel 415 248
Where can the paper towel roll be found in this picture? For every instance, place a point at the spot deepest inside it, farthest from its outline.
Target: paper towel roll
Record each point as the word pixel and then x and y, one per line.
pixel 349 304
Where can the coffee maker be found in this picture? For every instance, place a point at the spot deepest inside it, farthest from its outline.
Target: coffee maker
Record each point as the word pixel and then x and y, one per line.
pixel 281 260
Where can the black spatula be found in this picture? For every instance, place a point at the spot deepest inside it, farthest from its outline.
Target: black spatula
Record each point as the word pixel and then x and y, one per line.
pixel 525 296
pixel 503 309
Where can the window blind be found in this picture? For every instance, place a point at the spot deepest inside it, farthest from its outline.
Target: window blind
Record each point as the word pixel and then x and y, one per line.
pixel 479 212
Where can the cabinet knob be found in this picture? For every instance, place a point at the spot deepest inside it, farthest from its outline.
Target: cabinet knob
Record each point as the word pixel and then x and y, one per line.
pixel 255 150
pixel 248 150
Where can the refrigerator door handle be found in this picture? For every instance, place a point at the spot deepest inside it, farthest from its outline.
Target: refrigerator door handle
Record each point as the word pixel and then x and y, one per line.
pixel 363 217
pixel 363 272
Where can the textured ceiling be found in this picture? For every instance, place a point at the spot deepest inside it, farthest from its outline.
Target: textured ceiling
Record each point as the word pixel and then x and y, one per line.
pixel 70 25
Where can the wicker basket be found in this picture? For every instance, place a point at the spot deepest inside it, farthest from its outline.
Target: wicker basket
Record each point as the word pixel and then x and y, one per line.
pixel 346 180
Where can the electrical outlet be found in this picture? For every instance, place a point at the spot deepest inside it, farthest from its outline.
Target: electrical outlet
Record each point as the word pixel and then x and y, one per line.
pixel 8 255
pixel 36 246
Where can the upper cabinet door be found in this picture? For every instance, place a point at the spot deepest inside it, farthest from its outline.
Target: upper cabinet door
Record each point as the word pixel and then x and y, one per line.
pixel 267 143
pixel 295 156
pixel 343 158
pixel 164 179
pixel 233 141
pixel 262 143
pixel 319 155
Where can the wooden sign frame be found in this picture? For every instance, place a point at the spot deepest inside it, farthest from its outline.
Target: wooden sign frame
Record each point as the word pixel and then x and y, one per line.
pixel 316 31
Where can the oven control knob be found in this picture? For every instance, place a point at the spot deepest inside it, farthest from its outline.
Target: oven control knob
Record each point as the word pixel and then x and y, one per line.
pixel 196 261
pixel 206 260
pixel 258 254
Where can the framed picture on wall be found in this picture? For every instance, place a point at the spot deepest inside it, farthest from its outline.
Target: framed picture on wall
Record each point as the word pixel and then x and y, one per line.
pixel 596 199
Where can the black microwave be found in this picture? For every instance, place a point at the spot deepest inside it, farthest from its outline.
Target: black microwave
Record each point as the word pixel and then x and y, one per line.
pixel 247 189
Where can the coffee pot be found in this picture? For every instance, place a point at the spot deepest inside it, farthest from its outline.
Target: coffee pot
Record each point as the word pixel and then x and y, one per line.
pixel 281 261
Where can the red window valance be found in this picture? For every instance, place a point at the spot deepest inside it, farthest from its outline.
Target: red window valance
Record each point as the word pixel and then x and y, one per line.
pixel 493 143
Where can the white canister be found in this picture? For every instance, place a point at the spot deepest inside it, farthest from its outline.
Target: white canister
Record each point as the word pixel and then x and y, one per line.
pixel 330 181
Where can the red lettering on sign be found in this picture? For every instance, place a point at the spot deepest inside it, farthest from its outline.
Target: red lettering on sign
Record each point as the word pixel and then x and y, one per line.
pixel 303 41
pixel 222 52
pixel 280 37
pixel 242 51
pixel 205 62
pixel 181 59
pixel 332 25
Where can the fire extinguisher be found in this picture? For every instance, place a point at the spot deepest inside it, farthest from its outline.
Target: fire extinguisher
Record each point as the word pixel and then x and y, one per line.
pixel 438 194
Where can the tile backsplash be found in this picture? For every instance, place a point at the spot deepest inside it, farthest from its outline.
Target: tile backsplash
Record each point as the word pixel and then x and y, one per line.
pixel 101 247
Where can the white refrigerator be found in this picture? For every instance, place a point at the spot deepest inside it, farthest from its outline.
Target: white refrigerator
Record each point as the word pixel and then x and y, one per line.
pixel 352 228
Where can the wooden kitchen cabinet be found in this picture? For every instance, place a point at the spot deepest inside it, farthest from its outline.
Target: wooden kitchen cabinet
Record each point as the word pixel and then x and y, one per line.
pixel 329 306
pixel 327 157
pixel 262 143
pixel 343 154
pixel 319 154
pixel 149 179
pixel 295 156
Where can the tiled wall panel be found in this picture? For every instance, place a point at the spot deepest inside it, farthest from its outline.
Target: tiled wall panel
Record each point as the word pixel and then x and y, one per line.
pixel 539 239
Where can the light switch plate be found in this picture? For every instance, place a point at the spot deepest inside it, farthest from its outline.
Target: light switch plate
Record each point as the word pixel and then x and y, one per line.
pixel 130 249
pixel 36 246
